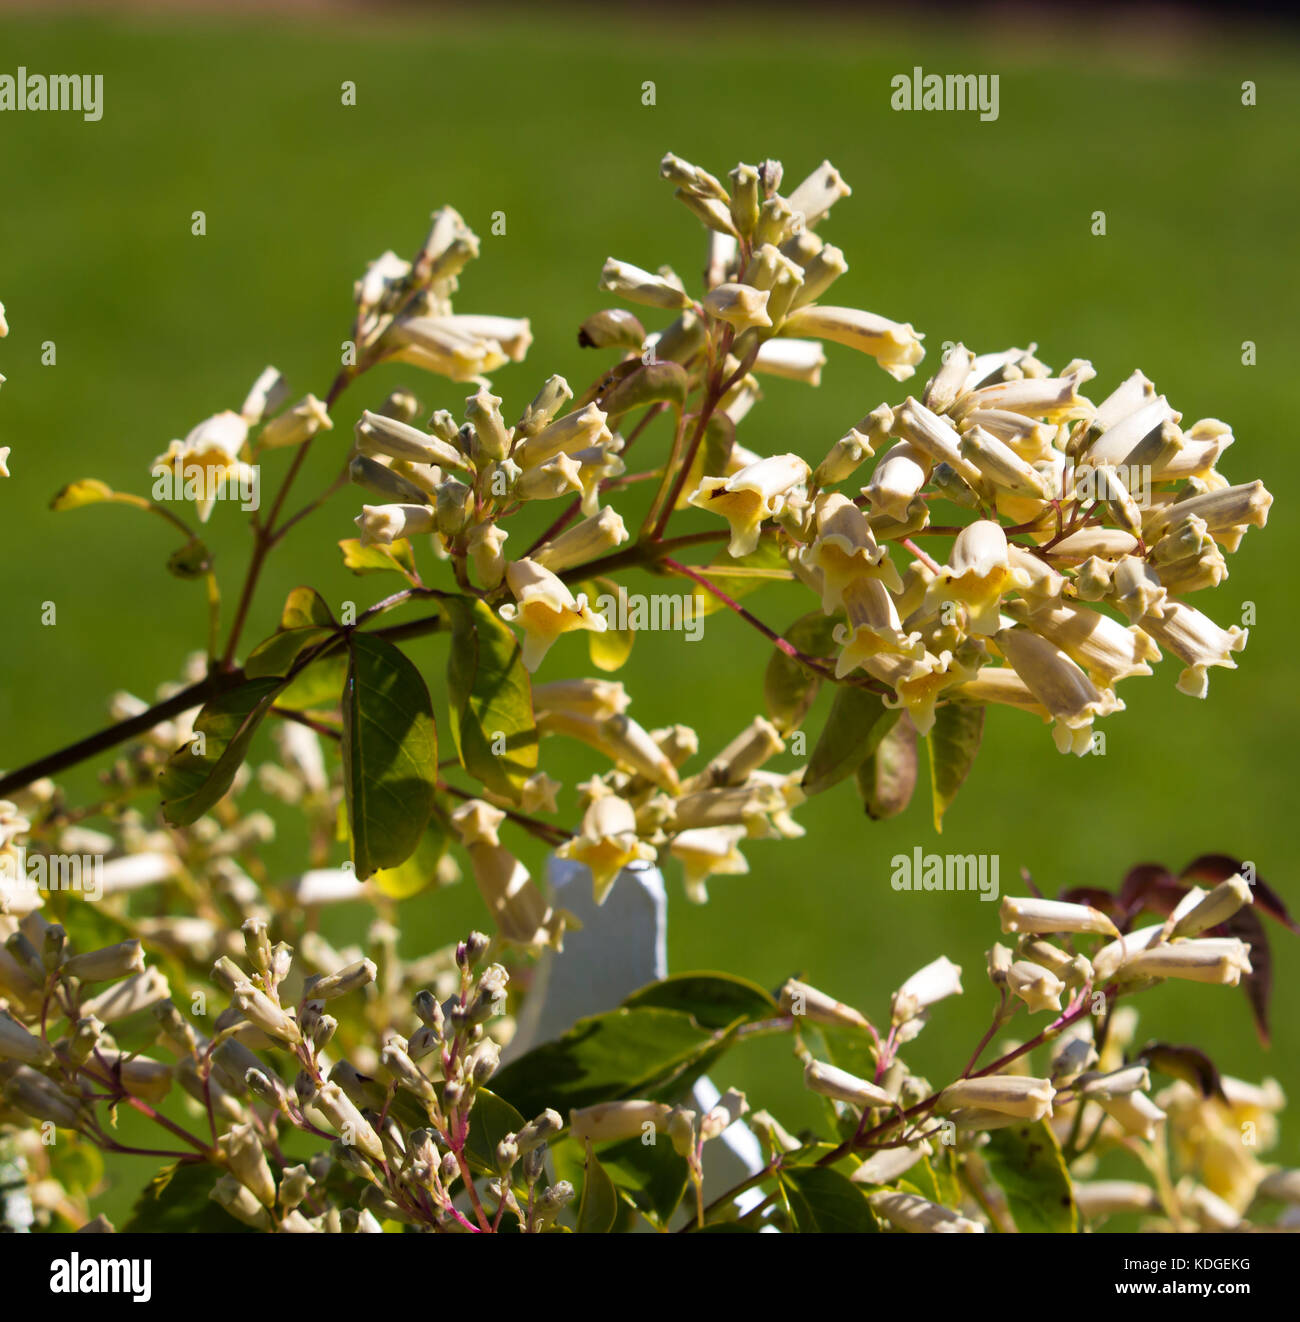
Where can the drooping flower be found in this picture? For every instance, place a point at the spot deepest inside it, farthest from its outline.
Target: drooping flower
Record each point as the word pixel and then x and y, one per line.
pixel 545 610
pixel 754 493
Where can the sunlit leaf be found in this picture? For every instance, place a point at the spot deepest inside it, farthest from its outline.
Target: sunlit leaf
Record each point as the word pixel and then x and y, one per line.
pixel 952 743
pixel 490 699
pixel 390 754
pixel 200 772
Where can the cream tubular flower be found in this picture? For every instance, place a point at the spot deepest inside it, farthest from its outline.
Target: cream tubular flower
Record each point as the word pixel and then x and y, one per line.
pixel 844 549
pixel 1030 915
pixel 1039 988
pixel 513 334
pixel 519 908
pixel 596 698
pixel 584 541
pixel 938 980
pixel 1055 398
pixel 1001 466
pixel 818 193
pixel 1215 908
pixel 1060 685
pixel 705 852
pixel 638 286
pixel 446 347
pixel 802 1001
pixel 897 479
pixel 1117 443
pixel 1217 960
pixel 1002 685
pixel 919 684
pixel 381 525
pixel 914 1215
pixel 977 574
pixel 894 345
pixel 379 436
pixel 1135 1113
pixel 1197 640
pixel 1008 1094
pixel 208 458
pixel 1104 647
pixel 579 430
pixel 545 610
pixel 1227 508
pixel 873 627
pixel 754 493
pixel 1114 955
pixel 1203 445
pixel 484 546
pixel 828 1081
pixel 1136 590
pixel 606 843
pixel 1107 543
pixel 795 360
pixel 297 425
pixel 550 480
pixel 1098 1198
pixel 740 306
pixel 607 1121
pixel 936 437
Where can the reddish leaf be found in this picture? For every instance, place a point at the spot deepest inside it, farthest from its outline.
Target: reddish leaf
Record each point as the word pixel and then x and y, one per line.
pixel 1247 925
pixel 1183 1062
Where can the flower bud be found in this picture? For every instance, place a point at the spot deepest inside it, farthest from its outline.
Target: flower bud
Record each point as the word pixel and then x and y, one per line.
pixel 1007 1094
pixel 241 1203
pixel 800 999
pixel 1216 907
pixel 828 1081
pixel 108 964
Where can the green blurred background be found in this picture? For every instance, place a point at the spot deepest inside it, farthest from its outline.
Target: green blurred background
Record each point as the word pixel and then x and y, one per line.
pixel 973 231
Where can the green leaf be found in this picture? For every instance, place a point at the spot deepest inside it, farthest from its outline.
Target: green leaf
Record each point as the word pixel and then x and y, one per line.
pixel 490 699
pixel 278 653
pixel 857 722
pixel 397 558
pixel 89 491
pixel 715 1000
pixel 953 744
pixel 790 687
pixel 888 777
pixel 176 1202
pixel 652 1177
pixel 490 1121
pixel 738 576
pixel 190 561
pixel 319 685
pixel 305 607
pixel 1026 1162
pixel 824 1201
pixel 390 754
pixel 599 1205
pixel 191 782
pixel 608 650
pixel 625 1053
pixel 417 873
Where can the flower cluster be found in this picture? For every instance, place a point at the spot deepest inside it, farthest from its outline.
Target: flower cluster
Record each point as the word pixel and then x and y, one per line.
pixel 1095 1098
